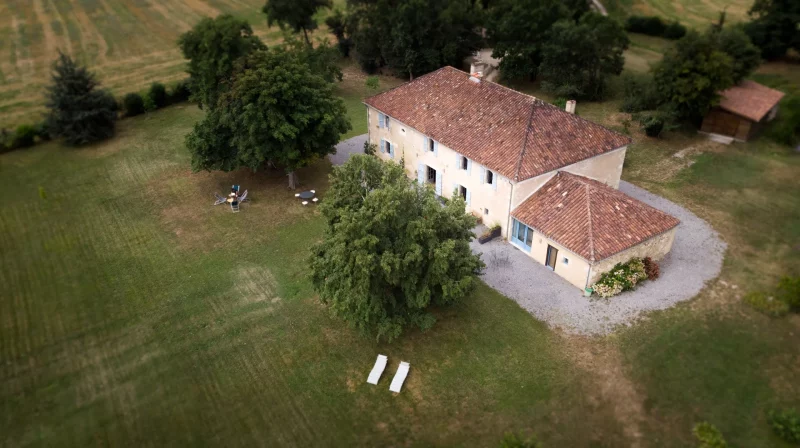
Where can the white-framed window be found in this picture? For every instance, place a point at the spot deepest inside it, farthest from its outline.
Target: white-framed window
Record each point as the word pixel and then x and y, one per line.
pixel 489 177
pixel 387 147
pixel 486 211
pixel 383 121
pixel 462 191
pixel 431 145
pixel 464 163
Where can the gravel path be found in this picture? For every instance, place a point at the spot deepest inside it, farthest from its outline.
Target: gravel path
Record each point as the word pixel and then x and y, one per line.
pixel 696 258
pixel 353 145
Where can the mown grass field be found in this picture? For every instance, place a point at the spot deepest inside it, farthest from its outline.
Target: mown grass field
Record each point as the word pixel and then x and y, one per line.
pixel 694 13
pixel 129 44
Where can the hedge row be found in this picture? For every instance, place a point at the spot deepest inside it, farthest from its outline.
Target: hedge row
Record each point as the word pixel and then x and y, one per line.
pixel 158 96
pixel 654 26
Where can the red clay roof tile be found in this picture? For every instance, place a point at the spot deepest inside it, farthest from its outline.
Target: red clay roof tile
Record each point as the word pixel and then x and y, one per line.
pixel 750 100
pixel 517 135
pixel 590 218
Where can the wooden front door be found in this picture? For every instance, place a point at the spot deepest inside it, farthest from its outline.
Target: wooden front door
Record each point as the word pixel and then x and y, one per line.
pixel 552 256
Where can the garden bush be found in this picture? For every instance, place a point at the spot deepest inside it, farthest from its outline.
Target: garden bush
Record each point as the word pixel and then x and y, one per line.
pixel 650 25
pixel 622 277
pixel 132 105
pixel 158 94
pixel 24 137
pixel 638 93
pixel 766 304
pixel 180 92
pixel 43 131
pixel 149 104
pixel 789 292
pixel 651 268
pixel 512 440
pixel 674 30
pixel 708 436
pixel 786 424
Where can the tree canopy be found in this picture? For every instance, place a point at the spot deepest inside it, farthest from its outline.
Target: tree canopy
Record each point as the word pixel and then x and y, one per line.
pixel 391 250
pixel 277 111
pixel 578 57
pixel 745 56
pixel 297 15
pixel 692 74
pixel 414 37
pixel 517 29
pixel 78 110
pixel 775 27
pixel 212 48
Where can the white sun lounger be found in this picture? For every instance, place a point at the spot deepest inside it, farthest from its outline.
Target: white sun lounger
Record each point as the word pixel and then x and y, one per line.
pixel 377 370
pixel 399 377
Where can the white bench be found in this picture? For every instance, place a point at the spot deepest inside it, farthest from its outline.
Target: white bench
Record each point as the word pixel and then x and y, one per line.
pixel 399 377
pixel 377 370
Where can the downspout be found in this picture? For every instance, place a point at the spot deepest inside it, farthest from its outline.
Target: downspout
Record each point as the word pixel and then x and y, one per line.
pixel 508 220
pixel 588 274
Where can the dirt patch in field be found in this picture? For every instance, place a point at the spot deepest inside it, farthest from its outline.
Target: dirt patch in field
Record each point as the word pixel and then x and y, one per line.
pixel 602 362
pixel 782 372
pixel 256 284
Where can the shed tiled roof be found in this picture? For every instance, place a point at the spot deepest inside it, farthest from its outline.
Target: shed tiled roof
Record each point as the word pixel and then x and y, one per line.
pixel 750 100
pixel 590 218
pixel 514 134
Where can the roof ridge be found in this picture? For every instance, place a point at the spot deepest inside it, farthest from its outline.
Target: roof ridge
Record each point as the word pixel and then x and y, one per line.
pixel 589 217
pixel 630 139
pixel 408 82
pixel 524 142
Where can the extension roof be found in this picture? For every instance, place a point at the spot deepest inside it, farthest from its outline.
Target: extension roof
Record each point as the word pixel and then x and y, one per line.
pixel 514 134
pixel 590 218
pixel 750 99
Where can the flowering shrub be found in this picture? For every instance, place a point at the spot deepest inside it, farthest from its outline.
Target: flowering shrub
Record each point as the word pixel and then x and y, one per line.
pixel 622 277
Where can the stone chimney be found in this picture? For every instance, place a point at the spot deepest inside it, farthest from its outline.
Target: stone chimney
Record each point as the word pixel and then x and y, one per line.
pixel 476 70
pixel 571 106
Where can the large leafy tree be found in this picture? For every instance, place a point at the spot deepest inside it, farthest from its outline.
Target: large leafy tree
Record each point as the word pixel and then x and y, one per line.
pixel 78 111
pixel 212 47
pixel 277 111
pixel 578 57
pixel 518 28
pixel 414 37
pixel 745 56
pixel 391 251
pixel 775 26
pixel 297 15
pixel 692 74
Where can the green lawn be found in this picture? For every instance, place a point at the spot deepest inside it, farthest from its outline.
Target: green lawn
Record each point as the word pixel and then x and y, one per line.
pixel 696 14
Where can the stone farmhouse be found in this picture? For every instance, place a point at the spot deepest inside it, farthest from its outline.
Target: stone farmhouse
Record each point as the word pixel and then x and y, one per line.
pixel 546 176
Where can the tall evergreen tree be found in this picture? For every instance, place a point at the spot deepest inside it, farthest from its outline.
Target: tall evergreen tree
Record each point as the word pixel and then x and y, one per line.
pixel 297 15
pixel 277 111
pixel 79 111
pixel 391 251
pixel 212 47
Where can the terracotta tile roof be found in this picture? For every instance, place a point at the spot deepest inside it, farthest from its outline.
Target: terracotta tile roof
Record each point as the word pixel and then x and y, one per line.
pixel 750 100
pixel 590 218
pixel 513 134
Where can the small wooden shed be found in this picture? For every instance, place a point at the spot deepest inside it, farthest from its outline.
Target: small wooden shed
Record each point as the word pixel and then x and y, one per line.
pixel 742 111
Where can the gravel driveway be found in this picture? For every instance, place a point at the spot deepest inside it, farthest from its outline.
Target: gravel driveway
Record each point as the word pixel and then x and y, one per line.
pixel 353 145
pixel 696 258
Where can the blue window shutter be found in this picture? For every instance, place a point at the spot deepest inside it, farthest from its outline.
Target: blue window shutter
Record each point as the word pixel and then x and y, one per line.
pixel 424 143
pixel 382 142
pixel 494 181
pixel 455 189
pixel 436 148
pixel 483 175
pixel 421 173
pixel 458 161
pixel 469 196
pixel 439 183
pixel 381 122
pixel 469 167
pixel 391 150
